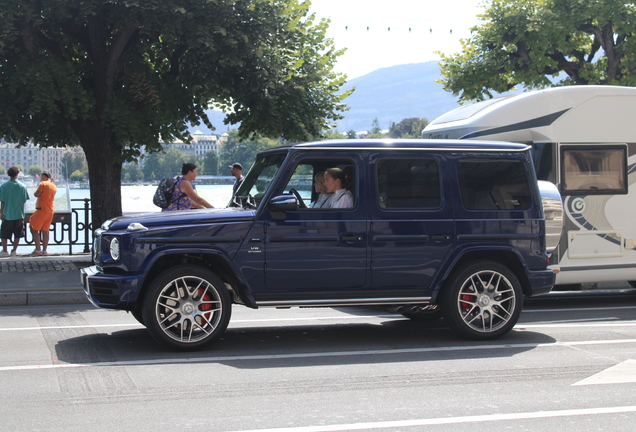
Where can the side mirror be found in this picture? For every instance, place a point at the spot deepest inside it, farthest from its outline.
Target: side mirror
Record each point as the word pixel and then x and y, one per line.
pixel 283 203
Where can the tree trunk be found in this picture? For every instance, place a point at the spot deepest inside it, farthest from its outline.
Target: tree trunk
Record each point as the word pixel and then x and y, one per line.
pixel 104 174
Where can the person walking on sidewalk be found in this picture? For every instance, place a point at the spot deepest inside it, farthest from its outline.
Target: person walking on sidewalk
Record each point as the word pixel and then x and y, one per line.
pixel 43 216
pixel 13 195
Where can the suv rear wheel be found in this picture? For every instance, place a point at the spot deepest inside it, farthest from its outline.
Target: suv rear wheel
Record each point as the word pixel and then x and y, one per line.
pixel 187 308
pixel 482 300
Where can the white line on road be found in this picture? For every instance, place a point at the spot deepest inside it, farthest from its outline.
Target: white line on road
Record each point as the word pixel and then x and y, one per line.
pixel 519 326
pixel 454 420
pixel 390 352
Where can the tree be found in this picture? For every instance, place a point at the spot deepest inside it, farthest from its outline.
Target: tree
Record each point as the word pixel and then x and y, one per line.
pixel 132 173
pixel 376 130
pixel 152 166
pixel 234 149
pixel 2 170
pixel 72 161
pixel 408 128
pixel 35 170
pixel 77 175
pixel 115 77
pixel 211 163
pixel 334 134
pixel 529 42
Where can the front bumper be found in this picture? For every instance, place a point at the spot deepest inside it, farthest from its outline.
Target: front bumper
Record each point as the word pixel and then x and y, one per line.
pixel 111 291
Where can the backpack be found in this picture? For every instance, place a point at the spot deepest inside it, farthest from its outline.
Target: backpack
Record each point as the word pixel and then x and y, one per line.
pixel 163 194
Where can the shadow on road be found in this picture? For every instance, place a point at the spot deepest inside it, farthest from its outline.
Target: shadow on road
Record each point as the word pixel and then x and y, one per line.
pixel 392 340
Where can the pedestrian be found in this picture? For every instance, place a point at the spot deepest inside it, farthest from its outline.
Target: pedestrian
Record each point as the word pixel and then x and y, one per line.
pixel 237 171
pixel 41 219
pixel 184 195
pixel 13 195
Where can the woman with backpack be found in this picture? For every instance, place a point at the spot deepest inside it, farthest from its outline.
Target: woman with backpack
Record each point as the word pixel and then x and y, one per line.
pixel 184 196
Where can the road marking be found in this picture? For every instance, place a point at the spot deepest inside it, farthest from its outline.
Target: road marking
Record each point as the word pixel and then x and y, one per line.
pixel 453 420
pixel 580 309
pixel 519 326
pixel 622 373
pixel 71 327
pixel 314 355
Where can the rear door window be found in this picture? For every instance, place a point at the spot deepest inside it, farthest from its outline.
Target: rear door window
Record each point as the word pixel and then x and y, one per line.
pixel 408 184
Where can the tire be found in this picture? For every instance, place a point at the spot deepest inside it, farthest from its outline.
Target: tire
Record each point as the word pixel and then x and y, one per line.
pixel 138 314
pixel 187 308
pixel 482 300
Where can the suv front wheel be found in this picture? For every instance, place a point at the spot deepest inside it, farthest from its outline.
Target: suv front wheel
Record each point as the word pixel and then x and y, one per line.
pixel 482 300
pixel 187 308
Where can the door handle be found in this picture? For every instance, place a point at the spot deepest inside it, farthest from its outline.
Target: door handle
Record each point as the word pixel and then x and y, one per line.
pixel 440 237
pixel 351 238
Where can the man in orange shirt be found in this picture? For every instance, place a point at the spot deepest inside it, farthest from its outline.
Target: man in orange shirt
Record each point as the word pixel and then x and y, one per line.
pixel 43 216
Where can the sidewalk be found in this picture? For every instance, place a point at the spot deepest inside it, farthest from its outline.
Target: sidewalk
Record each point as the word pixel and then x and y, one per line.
pixel 49 280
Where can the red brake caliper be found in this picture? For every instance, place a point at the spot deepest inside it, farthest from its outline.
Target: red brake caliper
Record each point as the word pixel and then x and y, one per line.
pixel 467 298
pixel 205 306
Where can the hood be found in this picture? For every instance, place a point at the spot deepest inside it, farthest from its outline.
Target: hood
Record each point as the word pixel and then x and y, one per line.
pixel 185 217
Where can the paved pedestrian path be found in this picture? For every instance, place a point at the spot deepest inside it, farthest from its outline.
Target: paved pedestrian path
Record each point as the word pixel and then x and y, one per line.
pixel 53 279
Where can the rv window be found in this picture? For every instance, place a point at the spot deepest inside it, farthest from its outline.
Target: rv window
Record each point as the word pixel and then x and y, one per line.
pixel 593 171
pixel 493 185
pixel 408 184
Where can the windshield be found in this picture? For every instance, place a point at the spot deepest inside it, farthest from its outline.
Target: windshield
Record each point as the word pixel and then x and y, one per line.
pixel 257 181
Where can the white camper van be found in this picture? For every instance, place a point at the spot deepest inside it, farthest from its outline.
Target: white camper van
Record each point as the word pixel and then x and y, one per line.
pixel 584 140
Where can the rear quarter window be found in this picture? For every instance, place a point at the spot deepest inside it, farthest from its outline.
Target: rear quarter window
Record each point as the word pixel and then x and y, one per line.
pixel 493 184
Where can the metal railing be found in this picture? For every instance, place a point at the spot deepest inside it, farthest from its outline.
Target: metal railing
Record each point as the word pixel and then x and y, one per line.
pixel 72 229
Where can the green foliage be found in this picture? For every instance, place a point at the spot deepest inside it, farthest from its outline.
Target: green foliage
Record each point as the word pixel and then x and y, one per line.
pixel 351 134
pixel 3 170
pixel 334 135
pixel 376 130
pixel 167 164
pixel 132 173
pixel 116 77
pixel 242 151
pixel 71 162
pixel 77 175
pixel 408 128
pixel 35 170
pixel 210 163
pixel 525 42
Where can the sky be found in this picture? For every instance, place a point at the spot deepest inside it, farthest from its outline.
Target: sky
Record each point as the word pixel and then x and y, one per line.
pixel 418 28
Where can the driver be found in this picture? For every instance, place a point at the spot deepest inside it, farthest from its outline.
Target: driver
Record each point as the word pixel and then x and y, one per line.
pixel 324 198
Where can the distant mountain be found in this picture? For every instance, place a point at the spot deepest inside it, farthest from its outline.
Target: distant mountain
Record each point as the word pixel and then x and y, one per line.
pixel 389 94
pixel 395 93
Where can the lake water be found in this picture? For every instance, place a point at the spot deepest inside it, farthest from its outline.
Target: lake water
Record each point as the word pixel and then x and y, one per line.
pixel 134 199
pixel 138 199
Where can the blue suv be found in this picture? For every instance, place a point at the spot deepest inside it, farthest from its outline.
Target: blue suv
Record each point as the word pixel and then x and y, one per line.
pixel 435 228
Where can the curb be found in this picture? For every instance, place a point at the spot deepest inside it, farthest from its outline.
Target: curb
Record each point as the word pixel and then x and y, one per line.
pixel 43 298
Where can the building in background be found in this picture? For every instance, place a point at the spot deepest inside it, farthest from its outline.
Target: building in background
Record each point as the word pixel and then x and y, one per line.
pixel 200 145
pixel 48 158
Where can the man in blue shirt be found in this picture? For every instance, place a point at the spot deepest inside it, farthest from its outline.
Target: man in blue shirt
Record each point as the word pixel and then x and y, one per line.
pixel 13 195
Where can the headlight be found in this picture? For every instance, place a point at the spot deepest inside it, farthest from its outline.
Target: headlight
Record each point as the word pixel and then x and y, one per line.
pixel 114 249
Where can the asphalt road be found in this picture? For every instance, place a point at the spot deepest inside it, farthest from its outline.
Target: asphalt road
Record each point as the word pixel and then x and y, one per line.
pixel 570 364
